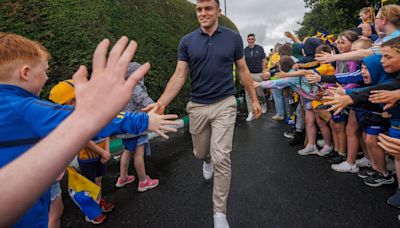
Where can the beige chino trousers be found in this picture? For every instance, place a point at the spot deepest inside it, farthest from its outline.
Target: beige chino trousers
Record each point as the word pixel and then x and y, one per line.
pixel 212 127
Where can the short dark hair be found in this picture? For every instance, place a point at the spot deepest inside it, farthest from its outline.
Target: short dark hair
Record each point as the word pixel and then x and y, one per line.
pixel 216 1
pixel 393 43
pixel 251 34
pixel 323 48
pixel 286 63
pixel 285 49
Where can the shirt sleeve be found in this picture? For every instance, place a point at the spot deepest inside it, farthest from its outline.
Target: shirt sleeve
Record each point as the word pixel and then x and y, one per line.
pixel 129 122
pixel 182 49
pixel 262 52
pixel 328 79
pixel 238 47
pixel 44 117
pixel 350 77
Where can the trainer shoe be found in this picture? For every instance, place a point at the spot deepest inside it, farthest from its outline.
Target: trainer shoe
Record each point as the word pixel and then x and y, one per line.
pixel 278 117
pixel 308 150
pixel 96 221
pixel 264 108
pixel 250 117
pixel 289 134
pixel 394 200
pixel 363 162
pixel 297 139
pixel 220 220
pixel 147 184
pixel 377 179
pixel 325 151
pixel 345 167
pixel 208 170
pixel 364 173
pixel 336 160
pixel 106 206
pixel 320 142
pixel 121 182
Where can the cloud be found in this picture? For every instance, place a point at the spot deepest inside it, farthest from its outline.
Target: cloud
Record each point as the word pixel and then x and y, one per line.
pixel 267 19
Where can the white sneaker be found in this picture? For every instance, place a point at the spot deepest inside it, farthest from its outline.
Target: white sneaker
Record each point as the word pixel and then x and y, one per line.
pixel 250 117
pixel 308 150
pixel 264 108
pixel 320 142
pixel 278 117
pixel 363 162
pixel 220 220
pixel 345 167
pixel 325 151
pixel 208 170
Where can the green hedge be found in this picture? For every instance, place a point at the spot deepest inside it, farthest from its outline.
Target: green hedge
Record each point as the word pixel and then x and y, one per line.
pixel 71 29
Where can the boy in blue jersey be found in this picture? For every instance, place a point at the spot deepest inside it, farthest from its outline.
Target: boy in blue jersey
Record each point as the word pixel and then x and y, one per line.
pixel 25 119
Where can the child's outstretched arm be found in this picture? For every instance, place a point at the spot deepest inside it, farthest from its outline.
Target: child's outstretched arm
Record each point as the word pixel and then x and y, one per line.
pixel 292 37
pixel 297 73
pixel 358 55
pixel 278 83
pixel 390 98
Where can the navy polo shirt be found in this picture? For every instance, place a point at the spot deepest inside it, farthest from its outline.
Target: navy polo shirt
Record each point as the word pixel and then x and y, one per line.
pixel 210 61
pixel 254 57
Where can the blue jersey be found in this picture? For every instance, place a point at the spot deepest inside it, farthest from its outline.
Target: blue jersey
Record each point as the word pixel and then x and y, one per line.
pixel 25 119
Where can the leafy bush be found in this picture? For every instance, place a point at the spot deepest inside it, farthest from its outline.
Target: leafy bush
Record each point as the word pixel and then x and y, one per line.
pixel 71 29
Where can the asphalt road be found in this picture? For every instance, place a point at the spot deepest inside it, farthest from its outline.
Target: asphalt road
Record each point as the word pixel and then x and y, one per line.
pixel 272 186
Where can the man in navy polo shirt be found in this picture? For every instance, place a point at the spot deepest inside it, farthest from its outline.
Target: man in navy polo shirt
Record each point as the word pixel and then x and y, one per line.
pixel 256 62
pixel 209 53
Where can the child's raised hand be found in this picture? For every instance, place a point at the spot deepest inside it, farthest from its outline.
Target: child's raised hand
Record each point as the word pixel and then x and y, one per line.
pixel 288 34
pixel 105 157
pixel 324 57
pixel 313 77
pixel 337 90
pixel 390 98
pixel 107 83
pixel 338 102
pixel 265 75
pixel 390 145
pixel 256 84
pixel 162 123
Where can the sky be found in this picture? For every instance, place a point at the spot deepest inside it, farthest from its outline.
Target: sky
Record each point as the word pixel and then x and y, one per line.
pixel 267 19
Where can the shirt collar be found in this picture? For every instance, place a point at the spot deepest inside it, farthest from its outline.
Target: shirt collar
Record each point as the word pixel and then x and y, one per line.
pixel 218 30
pixel 394 34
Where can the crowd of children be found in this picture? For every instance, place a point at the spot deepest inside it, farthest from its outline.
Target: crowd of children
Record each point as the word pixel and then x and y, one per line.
pixel 341 84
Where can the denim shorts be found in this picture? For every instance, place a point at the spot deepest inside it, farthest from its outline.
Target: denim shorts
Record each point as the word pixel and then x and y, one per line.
pixel 132 143
pixel 55 190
